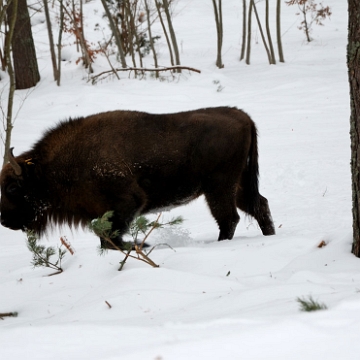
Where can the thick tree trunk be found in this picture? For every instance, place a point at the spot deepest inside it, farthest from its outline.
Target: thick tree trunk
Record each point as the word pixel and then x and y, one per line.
pixel 23 49
pixel 353 61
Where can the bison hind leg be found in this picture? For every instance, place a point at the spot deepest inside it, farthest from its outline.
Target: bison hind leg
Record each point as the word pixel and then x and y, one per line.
pixel 259 209
pixel 222 204
pixel 264 217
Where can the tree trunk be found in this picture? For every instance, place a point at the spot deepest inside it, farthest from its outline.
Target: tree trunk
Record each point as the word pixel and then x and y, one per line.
pixel 51 40
pixel 353 62
pixel 165 33
pixel 7 54
pixel 272 54
pixel 278 31
pixel 150 37
pixel 219 32
pixel 61 26
pixel 116 34
pixel 23 49
pixel 248 46
pixel 261 31
pixel 172 33
pixel 243 41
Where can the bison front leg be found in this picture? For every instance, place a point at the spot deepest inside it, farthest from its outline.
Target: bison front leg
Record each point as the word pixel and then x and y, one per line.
pixel 121 227
pixel 125 209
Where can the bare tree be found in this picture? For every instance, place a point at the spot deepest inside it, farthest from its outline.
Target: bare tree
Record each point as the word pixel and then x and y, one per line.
pixel 261 32
pixel 77 29
pixel 243 41
pixel 272 54
pixel 7 54
pixel 248 46
pixel 165 33
pixel 219 31
pixel 172 33
pixel 150 36
pixel 59 42
pixel 278 31
pixel 51 40
pixel 311 14
pixel 116 34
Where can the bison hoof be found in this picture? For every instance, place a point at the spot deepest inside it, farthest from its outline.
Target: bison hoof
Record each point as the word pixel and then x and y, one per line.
pixel 269 230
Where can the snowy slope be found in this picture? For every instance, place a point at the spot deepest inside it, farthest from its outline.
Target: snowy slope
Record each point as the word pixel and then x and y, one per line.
pixel 189 308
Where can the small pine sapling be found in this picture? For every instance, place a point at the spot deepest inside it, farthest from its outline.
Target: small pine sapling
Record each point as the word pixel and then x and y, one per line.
pixel 311 14
pixel 141 226
pixel 42 255
pixel 310 304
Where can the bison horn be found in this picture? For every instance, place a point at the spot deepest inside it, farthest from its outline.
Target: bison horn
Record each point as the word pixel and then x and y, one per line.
pixel 13 163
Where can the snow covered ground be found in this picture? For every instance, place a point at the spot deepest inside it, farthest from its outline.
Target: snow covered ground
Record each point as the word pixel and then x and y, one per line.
pixel 208 300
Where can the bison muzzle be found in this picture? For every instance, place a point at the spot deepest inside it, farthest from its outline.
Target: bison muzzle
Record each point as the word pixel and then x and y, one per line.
pixel 134 163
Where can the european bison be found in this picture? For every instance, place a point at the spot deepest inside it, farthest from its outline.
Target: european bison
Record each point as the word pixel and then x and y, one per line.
pixel 133 163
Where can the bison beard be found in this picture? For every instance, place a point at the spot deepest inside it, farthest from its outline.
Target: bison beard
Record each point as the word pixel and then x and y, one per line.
pixel 134 163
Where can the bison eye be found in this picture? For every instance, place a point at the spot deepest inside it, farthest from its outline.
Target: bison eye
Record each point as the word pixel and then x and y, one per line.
pixel 13 189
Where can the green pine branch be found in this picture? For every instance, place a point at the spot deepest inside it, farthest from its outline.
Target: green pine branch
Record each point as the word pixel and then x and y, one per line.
pixel 42 255
pixel 310 304
pixel 140 226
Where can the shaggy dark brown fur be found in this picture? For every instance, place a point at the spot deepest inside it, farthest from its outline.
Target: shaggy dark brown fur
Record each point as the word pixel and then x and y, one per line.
pixel 133 163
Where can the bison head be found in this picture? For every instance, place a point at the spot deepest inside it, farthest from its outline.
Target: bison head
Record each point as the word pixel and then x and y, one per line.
pixel 17 209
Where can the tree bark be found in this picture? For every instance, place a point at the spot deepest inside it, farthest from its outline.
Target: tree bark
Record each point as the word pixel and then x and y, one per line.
pixel 150 37
pixel 61 25
pixel 272 54
pixel 7 54
pixel 219 32
pixel 353 62
pixel 172 33
pixel 278 31
pixel 243 41
pixel 248 46
pixel 261 31
pixel 165 33
pixel 116 34
pixel 51 40
pixel 23 49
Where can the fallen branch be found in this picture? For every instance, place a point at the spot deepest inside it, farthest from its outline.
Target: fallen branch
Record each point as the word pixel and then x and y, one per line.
pixel 176 67
pixel 56 273
pixel 66 243
pixel 13 314
pixel 138 250
pixel 108 304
